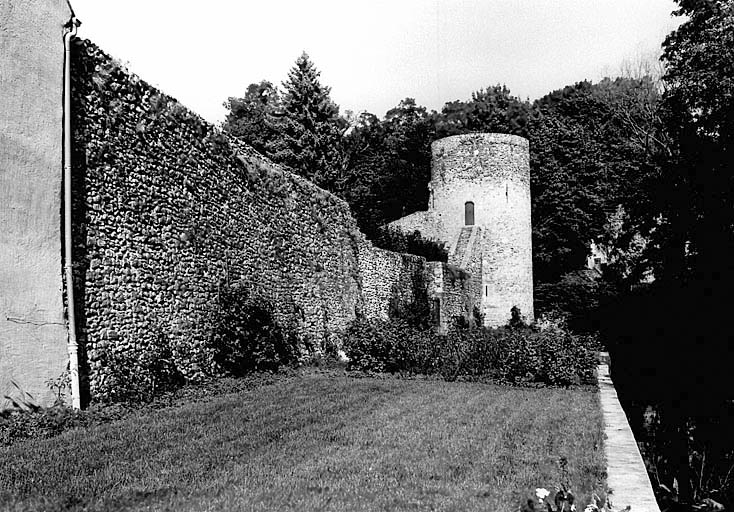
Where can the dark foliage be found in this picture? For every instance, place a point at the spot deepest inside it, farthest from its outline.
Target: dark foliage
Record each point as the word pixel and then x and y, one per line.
pixel 250 118
pixel 493 109
pixel 388 165
pixel 708 451
pixel 517 320
pixel 669 355
pixel 577 297
pixel 523 355
pixel 411 243
pixel 246 337
pixel 140 375
pixel 308 129
pixel 584 164
pixel 669 342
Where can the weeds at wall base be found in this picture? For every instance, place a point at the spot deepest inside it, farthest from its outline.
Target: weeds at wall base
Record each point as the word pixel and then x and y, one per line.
pixel 43 423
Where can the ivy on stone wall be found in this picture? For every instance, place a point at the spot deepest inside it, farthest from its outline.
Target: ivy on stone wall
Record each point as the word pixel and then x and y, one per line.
pixel 171 214
pixel 396 240
pixel 169 211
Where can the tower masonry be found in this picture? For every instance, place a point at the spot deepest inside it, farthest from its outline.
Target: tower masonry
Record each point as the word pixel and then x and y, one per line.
pixel 479 207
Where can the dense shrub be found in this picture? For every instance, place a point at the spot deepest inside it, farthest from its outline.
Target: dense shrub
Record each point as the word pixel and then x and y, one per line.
pixel 139 375
pixel 392 346
pixel 517 356
pixel 551 356
pixel 567 358
pixel 576 296
pixel 517 319
pixel 412 243
pixel 246 337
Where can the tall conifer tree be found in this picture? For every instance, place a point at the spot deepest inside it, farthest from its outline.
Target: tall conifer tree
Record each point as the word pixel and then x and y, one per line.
pixel 309 128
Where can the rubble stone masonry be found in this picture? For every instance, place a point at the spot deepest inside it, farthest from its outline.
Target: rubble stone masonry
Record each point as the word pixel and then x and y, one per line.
pixel 168 211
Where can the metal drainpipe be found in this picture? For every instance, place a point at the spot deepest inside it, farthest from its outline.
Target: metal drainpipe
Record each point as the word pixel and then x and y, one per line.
pixel 72 345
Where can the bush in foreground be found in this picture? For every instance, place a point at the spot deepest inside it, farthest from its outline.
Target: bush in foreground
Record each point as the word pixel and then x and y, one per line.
pixel 246 337
pixel 551 356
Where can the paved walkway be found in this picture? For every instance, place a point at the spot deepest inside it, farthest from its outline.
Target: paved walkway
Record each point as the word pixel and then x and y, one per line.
pixel 626 474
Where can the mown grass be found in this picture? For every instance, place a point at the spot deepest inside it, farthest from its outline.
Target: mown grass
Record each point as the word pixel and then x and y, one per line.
pixel 320 442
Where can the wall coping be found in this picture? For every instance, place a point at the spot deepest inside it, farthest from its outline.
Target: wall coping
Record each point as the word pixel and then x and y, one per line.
pixel 627 477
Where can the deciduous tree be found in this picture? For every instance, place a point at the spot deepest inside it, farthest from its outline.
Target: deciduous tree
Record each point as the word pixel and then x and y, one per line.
pixel 493 109
pixel 583 167
pixel 248 117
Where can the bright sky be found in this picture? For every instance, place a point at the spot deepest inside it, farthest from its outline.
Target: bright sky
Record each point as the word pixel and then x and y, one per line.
pixel 373 53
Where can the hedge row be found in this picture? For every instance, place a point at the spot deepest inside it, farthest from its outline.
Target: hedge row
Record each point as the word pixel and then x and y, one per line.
pixel 551 356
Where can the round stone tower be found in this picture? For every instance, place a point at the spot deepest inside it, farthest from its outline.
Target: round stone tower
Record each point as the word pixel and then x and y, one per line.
pixel 483 179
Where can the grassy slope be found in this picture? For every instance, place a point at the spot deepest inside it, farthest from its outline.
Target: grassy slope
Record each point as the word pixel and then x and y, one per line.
pixel 320 443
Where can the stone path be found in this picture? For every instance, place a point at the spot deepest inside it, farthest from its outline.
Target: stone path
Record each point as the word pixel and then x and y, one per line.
pixel 626 474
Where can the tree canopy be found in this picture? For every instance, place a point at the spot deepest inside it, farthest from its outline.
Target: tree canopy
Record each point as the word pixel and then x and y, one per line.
pixel 310 129
pixel 698 106
pixel 493 109
pixel 656 162
pixel 299 127
pixel 249 117
pixel 583 168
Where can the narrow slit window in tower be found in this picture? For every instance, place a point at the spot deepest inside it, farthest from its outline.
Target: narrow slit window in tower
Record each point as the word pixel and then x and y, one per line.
pixel 469 213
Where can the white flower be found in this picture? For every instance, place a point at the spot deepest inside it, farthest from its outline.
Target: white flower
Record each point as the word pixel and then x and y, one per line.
pixel 591 508
pixel 573 508
pixel 541 493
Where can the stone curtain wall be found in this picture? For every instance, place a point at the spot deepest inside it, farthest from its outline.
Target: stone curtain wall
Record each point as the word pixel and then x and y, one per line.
pixel 32 330
pixel 453 291
pixel 172 212
pixel 169 211
pixel 390 281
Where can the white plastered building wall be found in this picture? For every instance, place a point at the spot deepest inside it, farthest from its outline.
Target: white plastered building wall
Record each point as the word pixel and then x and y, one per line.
pixel 32 331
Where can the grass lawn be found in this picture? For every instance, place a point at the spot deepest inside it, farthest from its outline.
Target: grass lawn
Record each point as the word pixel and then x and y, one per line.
pixel 321 442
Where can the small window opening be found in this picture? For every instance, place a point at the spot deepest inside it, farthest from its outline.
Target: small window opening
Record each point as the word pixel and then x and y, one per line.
pixel 469 213
pixel 437 311
pixel 486 290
